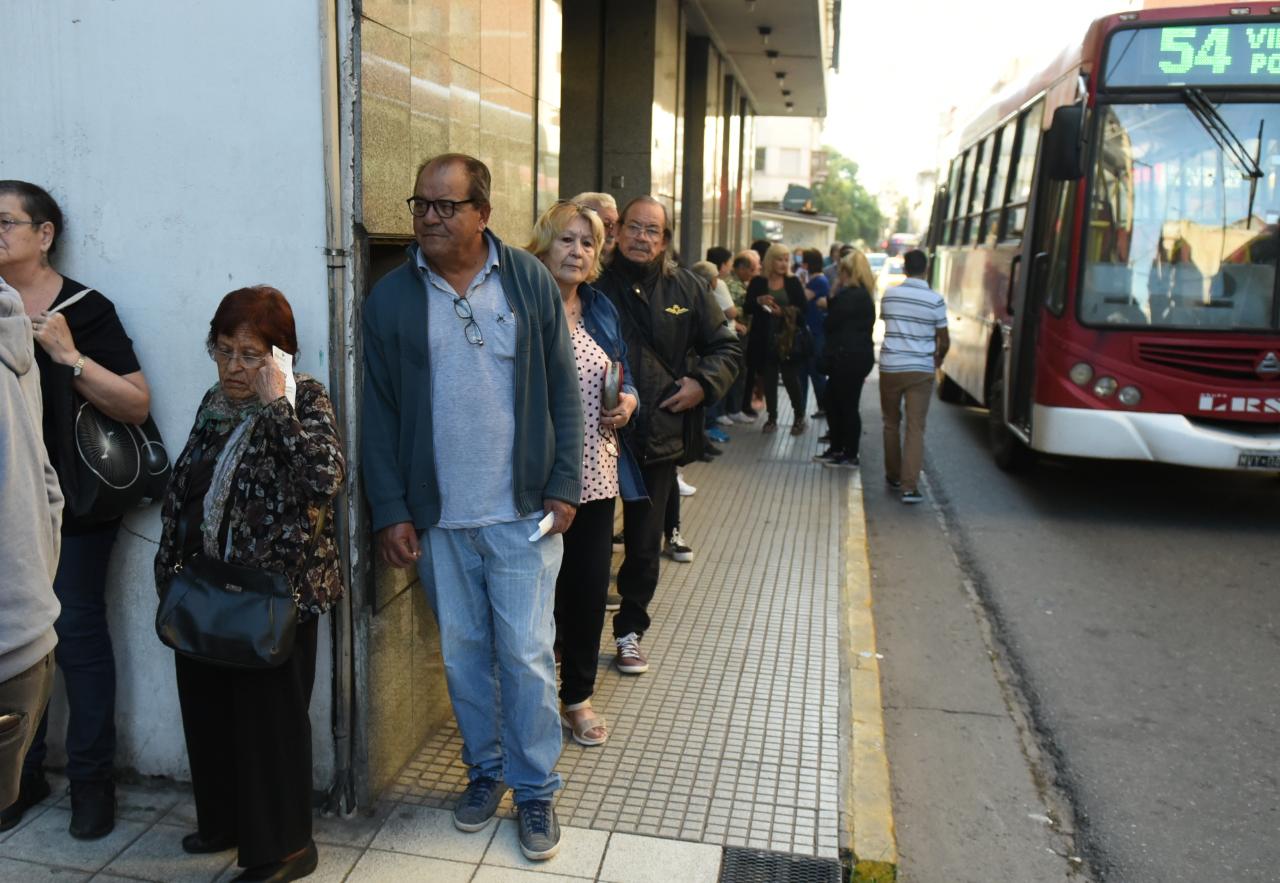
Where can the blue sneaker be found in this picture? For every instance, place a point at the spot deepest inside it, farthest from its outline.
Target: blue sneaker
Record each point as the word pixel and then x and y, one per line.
pixel 539 830
pixel 478 804
pixel 719 436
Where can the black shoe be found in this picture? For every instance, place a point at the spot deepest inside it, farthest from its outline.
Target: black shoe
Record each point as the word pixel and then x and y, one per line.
pixel 892 482
pixel 819 415
pixel 618 544
pixel 751 412
pixel 539 830
pixel 825 438
pixel 197 844
pixel 613 601
pixel 828 454
pixel 280 872
pixel 478 804
pixel 711 449
pixel 841 461
pixel 912 497
pixel 93 809
pixel 32 789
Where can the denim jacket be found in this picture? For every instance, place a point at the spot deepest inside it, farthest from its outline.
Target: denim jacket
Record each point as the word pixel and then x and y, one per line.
pixel 600 318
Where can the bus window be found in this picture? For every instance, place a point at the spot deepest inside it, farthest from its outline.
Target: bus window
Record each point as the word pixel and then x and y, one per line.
pixel 1015 216
pixel 958 203
pixel 977 188
pixel 999 184
pixel 1175 237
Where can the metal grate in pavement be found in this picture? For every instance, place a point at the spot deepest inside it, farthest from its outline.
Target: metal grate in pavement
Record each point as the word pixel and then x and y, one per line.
pixel 756 866
pixel 732 737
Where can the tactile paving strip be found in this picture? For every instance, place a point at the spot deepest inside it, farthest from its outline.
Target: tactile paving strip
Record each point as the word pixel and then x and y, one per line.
pixel 732 737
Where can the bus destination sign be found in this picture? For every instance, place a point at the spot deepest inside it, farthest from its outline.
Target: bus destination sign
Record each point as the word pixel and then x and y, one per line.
pixel 1207 55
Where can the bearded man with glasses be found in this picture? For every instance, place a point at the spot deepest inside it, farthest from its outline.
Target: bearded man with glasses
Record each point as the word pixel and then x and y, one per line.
pixel 471 433
pixel 682 353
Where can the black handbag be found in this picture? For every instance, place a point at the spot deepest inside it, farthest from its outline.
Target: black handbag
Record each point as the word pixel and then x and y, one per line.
pixel 227 614
pixel 106 467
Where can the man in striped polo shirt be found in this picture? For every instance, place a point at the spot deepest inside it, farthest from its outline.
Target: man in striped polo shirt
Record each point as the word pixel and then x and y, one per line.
pixel 915 343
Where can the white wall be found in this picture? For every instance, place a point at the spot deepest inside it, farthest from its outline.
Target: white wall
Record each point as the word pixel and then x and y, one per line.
pixel 774 134
pixel 184 143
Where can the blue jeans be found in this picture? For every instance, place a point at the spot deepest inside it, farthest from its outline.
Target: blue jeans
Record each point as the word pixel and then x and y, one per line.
pixel 85 656
pixel 493 594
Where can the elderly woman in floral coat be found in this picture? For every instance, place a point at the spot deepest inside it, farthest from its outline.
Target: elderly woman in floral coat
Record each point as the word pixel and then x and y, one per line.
pixel 255 486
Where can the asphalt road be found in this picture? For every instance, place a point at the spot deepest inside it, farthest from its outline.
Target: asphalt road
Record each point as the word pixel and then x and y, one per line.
pixel 1139 608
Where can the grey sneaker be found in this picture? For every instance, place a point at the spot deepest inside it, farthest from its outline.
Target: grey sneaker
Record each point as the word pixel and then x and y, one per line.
pixel 630 660
pixel 613 601
pixel 478 804
pixel 539 830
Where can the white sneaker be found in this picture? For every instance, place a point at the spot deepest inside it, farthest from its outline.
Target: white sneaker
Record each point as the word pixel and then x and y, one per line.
pixel 686 489
pixel 724 420
pixel 739 417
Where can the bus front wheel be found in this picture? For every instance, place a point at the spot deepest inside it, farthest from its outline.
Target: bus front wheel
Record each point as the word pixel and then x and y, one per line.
pixel 1007 449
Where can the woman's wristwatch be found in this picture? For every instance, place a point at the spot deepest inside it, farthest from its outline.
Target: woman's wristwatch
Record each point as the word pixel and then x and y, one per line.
pixel 78 368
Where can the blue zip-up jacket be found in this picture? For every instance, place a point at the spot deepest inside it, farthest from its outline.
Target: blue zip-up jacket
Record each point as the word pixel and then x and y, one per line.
pixel 600 318
pixel 398 463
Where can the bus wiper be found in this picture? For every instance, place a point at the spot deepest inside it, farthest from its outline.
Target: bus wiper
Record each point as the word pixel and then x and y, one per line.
pixel 1227 140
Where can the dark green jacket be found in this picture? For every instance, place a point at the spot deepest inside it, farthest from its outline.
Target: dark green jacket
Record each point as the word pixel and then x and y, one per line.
pixel 397 457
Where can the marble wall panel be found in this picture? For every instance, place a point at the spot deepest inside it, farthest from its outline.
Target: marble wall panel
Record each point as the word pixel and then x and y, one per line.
pixel 385 142
pixel 392 738
pixel 431 706
pixel 393 14
pixel 548 156
pixel 430 23
pixel 464 109
pixel 495 39
pixel 522 19
pixel 431 103
pixel 464 32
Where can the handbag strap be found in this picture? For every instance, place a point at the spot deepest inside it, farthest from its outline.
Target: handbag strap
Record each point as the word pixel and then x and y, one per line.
pixel 71 301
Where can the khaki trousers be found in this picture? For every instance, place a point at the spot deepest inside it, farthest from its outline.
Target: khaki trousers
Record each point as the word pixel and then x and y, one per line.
pixel 903 457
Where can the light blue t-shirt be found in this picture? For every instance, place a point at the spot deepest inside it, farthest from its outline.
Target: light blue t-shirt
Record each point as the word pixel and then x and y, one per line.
pixel 473 398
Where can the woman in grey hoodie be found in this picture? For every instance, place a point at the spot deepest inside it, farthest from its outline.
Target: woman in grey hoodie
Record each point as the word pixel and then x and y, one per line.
pixel 31 511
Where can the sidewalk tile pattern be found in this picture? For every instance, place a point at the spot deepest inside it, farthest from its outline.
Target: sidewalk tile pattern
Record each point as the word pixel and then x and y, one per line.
pixel 730 739
pixel 732 736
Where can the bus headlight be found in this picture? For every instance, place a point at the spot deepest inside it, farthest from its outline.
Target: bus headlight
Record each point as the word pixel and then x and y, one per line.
pixel 1129 396
pixel 1105 387
pixel 1081 373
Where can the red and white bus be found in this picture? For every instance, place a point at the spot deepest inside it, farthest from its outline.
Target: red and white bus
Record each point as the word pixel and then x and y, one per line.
pixel 1107 239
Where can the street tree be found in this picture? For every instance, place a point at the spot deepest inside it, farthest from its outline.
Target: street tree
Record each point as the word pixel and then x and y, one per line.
pixel 840 194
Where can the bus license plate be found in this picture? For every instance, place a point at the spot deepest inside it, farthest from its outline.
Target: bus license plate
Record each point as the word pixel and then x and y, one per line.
pixel 1258 460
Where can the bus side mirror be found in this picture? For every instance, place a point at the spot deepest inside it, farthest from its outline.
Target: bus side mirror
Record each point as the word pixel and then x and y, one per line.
pixel 1064 144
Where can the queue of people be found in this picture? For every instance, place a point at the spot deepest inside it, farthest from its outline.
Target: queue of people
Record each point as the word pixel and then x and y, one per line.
pixel 512 398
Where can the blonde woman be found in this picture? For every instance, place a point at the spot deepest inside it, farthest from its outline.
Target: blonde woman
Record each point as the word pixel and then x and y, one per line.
pixel 568 239
pixel 847 357
pixel 775 302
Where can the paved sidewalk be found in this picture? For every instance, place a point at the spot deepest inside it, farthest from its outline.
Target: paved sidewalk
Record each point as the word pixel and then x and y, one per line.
pixel 723 758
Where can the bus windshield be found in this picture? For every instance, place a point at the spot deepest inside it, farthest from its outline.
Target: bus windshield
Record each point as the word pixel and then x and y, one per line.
pixel 1171 241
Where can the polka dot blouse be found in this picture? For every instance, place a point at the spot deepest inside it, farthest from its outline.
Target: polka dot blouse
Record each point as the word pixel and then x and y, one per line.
pixel 599 465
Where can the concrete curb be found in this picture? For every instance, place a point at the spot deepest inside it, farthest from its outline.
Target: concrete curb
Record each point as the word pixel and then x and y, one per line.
pixel 868 845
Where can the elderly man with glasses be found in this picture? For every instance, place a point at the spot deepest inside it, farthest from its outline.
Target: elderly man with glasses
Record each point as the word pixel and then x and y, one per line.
pixel 472 447
pixel 682 354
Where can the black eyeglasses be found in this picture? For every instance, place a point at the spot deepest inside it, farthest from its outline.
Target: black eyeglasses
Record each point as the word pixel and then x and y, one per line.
pixel 462 309
pixel 445 208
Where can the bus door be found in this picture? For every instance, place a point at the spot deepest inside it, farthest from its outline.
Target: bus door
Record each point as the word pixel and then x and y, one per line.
pixel 1038 282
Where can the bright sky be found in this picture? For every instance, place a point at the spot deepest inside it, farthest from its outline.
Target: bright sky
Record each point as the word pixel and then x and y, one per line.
pixel 903 63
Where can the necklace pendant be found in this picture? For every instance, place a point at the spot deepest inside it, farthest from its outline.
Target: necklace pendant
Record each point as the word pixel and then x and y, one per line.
pixel 611 448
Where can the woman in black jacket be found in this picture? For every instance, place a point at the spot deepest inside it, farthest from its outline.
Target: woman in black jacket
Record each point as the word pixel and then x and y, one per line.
pixel 775 302
pixel 847 357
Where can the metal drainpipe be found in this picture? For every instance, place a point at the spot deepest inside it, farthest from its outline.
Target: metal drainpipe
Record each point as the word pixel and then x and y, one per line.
pixel 337 92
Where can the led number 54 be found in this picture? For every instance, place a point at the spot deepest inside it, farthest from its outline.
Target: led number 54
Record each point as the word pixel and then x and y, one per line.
pixel 1212 53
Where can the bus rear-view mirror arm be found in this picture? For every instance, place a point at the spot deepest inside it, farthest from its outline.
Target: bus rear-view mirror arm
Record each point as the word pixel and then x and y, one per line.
pixel 1064 144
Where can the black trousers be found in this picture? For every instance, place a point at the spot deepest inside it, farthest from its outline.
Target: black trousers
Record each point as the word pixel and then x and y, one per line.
pixel 791 372
pixel 671 520
pixel 249 743
pixel 642 524
pixel 87 660
pixel 581 591
pixel 843 393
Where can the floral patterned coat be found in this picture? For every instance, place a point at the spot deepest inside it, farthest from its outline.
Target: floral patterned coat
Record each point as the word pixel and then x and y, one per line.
pixel 289 475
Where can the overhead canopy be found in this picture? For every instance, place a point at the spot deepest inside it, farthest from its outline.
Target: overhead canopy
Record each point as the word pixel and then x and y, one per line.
pixel 802 32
